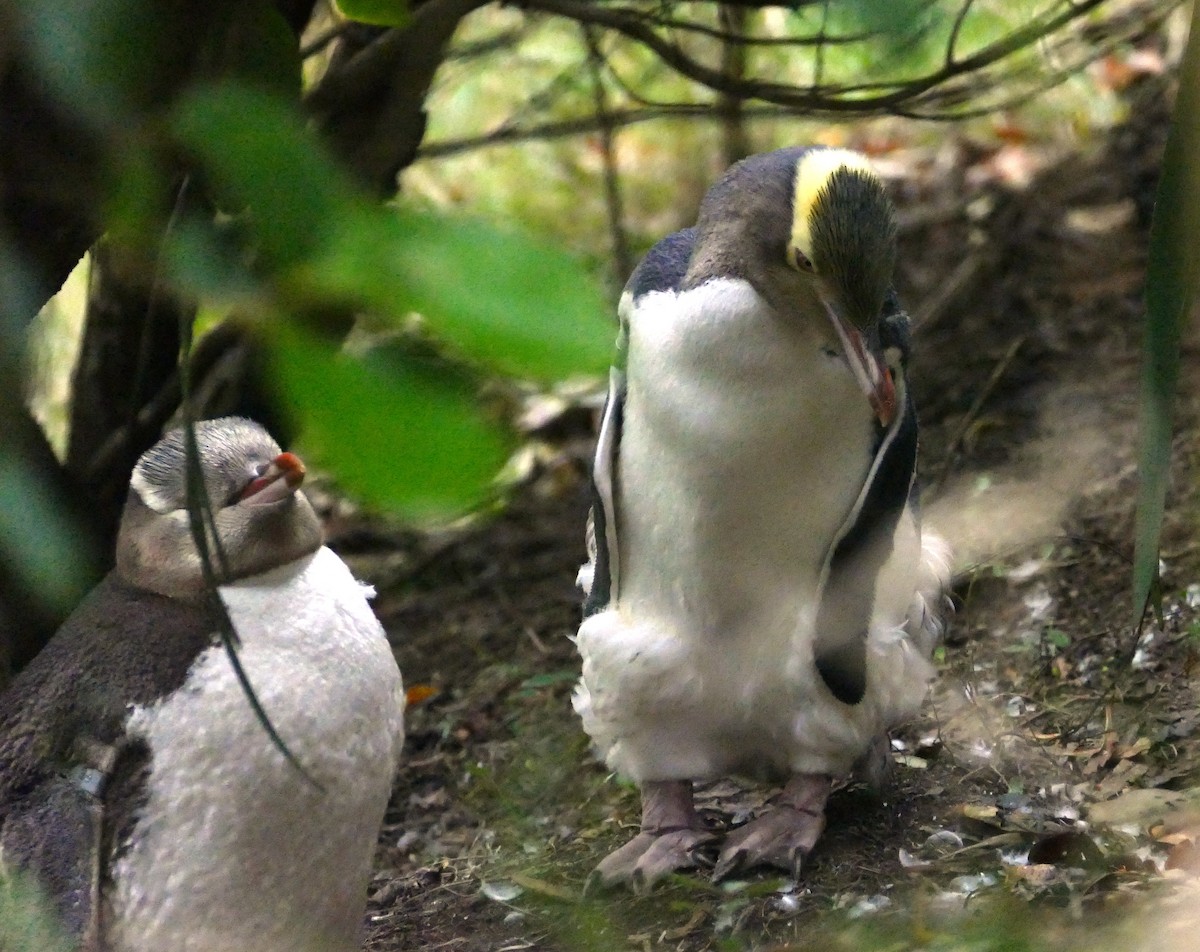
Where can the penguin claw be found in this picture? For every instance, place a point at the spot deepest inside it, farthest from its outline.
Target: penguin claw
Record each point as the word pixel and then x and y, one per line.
pixel 782 837
pixel 649 857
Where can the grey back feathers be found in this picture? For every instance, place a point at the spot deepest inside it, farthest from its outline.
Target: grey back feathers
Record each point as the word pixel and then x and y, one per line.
pixel 65 712
pixel 746 219
pixel 665 265
pixel 155 548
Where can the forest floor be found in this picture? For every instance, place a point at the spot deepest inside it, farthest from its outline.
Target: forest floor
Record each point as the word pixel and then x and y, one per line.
pixel 1047 797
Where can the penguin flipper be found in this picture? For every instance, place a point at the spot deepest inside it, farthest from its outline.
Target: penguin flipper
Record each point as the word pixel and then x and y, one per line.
pixel 52 837
pixel 863 547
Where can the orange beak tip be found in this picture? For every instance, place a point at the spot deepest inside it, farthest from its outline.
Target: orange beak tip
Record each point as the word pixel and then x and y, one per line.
pixel 292 467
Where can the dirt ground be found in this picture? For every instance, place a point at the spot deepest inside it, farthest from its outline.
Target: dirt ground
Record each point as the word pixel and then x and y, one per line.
pixel 1046 796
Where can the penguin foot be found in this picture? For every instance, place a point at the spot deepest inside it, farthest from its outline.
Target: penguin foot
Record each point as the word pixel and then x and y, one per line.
pixel 784 835
pixel 670 838
pixel 649 857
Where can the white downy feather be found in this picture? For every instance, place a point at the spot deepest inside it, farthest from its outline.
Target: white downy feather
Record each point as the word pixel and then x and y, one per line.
pixel 235 850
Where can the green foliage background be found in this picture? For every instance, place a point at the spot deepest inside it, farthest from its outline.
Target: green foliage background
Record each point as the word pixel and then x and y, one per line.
pixel 295 240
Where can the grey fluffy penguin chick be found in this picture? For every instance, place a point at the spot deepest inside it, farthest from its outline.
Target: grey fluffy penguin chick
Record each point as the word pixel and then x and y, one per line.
pixel 137 786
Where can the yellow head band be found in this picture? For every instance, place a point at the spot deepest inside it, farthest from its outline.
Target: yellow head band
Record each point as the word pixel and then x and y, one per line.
pixel 813 172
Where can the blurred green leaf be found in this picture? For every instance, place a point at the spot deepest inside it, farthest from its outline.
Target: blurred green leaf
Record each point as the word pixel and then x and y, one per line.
pixel 106 58
pixel 260 156
pixel 375 12
pixel 261 50
pixel 207 260
pixel 1172 276
pixel 116 60
pixel 902 27
pixel 36 536
pixel 27 919
pixel 137 200
pixel 398 432
pixel 500 298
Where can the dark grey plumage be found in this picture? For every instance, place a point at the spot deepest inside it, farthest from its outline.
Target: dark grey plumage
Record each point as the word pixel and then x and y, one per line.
pixel 63 718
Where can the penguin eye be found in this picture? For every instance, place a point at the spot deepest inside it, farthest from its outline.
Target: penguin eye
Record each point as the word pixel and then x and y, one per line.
pixel 799 260
pixel 252 476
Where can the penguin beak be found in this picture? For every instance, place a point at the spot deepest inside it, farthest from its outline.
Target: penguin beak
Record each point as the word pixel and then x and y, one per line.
pixel 277 482
pixel 872 374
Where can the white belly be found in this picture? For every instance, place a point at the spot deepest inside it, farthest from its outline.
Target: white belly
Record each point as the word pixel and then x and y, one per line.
pixel 235 850
pixel 735 422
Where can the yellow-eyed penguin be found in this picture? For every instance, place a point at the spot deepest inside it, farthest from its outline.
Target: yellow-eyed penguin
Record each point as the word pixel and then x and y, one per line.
pixel 136 784
pixel 760 599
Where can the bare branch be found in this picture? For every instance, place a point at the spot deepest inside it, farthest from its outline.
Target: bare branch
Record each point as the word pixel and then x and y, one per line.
pixel 371 107
pixel 900 96
pixel 501 41
pixel 614 203
pixel 582 125
pixel 819 52
pixel 952 41
pixel 818 39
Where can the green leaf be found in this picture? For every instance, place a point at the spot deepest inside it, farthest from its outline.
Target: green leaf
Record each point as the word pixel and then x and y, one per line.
pixel 498 297
pixel 900 25
pixel 260 156
pixel 37 538
pixel 112 58
pixel 115 61
pixel 205 259
pixel 261 50
pixel 375 12
pixel 1171 283
pixel 1057 638
pixel 398 432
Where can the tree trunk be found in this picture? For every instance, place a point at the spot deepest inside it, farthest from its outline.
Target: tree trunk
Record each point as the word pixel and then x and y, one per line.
pixel 130 349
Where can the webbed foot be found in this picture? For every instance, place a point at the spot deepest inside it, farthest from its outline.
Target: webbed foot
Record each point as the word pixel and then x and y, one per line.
pixel 784 835
pixel 670 837
pixel 648 857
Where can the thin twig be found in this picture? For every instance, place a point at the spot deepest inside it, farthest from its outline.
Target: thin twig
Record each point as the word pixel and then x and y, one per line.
pixel 973 413
pixel 613 203
pixel 952 41
pixel 966 273
pixel 201 520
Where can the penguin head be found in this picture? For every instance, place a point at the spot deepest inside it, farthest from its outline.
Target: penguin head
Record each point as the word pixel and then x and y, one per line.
pixel 814 232
pixel 261 518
